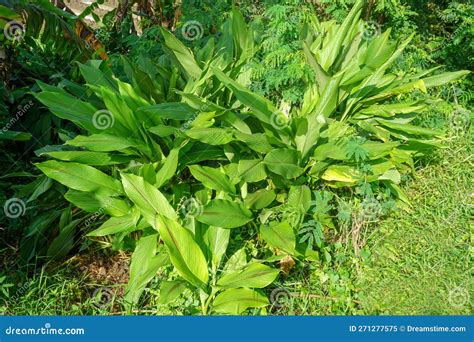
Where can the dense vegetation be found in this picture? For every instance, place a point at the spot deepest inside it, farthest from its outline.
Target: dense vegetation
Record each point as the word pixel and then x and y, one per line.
pixel 231 161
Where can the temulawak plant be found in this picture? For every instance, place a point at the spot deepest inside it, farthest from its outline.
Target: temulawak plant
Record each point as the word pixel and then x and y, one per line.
pixel 187 130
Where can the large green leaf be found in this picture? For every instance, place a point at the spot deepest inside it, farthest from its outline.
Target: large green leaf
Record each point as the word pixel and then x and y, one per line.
pixel 81 177
pixel 307 133
pixel 148 199
pixel 15 136
pixel 335 44
pixel 280 235
pixel 143 267
pixel 225 214
pixel 299 197
pixel 211 136
pixel 241 34
pixel 256 141
pixel 322 77
pixel 95 77
pixel 236 262
pixel 409 129
pixel 447 77
pixel 283 162
pixel 68 107
pixel 252 170
pixel 97 203
pixel 212 178
pixel 170 290
pixel 168 169
pixel 259 199
pixel 90 158
pixel 378 150
pixel 235 301
pixel 255 275
pixel 216 239
pixel 341 173
pixel 173 111
pixel 333 150
pixel 182 55
pixel 184 252
pixel 261 107
pixel 64 242
pixel 116 225
pixel 101 142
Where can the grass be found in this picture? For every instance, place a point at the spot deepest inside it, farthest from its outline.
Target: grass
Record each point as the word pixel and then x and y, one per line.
pixel 47 293
pixel 422 260
pixel 416 262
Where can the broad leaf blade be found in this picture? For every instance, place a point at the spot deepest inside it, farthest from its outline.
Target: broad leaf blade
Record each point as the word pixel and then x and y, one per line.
pixel 184 252
pixel 255 275
pixel 235 301
pixel 81 177
pixel 225 214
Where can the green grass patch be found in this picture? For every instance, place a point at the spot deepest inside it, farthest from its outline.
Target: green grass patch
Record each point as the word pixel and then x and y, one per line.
pixel 422 260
